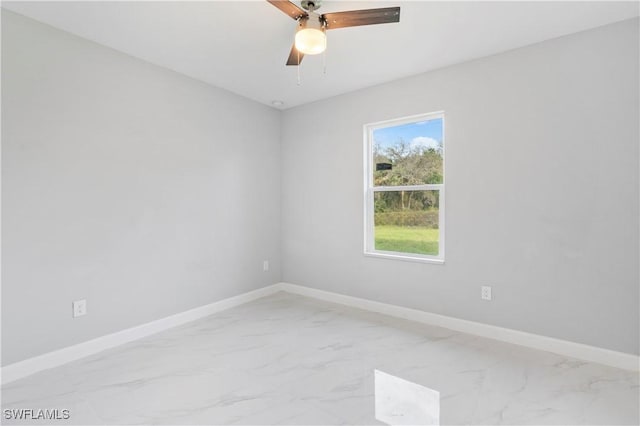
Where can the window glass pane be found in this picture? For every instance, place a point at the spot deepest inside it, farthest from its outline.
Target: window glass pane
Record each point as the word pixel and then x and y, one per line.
pixel 409 154
pixel 407 221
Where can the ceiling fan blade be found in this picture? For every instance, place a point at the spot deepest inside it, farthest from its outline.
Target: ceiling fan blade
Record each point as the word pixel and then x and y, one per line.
pixel 289 8
pixel 295 57
pixel 354 18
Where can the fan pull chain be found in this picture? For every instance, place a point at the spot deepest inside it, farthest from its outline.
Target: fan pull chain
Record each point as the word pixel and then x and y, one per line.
pixel 324 63
pixel 299 79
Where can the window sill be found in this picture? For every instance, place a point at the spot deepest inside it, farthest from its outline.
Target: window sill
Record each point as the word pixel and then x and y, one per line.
pixel 405 258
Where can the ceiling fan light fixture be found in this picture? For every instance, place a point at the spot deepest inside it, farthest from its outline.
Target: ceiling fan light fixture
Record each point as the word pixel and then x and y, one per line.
pixel 311 38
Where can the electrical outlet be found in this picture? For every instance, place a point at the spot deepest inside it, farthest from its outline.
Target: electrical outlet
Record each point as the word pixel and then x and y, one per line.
pixel 79 308
pixel 485 292
pixel 265 265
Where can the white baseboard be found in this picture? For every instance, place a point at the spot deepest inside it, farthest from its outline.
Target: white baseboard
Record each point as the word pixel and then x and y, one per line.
pixel 562 347
pixel 62 356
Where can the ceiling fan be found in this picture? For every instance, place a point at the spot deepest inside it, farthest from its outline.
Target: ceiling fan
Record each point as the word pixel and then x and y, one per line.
pixel 310 36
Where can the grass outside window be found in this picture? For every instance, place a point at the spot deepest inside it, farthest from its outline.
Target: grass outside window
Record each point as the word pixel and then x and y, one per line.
pixel 407 239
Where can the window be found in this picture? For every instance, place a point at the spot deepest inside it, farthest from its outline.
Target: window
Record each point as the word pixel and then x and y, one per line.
pixel 404 188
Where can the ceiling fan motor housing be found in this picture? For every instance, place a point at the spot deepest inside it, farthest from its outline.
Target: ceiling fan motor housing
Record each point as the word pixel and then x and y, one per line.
pixel 313 20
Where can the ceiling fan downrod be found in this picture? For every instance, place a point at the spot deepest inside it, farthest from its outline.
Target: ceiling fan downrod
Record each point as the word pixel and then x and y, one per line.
pixel 311 5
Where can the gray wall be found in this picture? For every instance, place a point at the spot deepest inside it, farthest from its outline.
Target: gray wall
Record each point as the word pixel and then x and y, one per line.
pixel 141 190
pixel 541 190
pixel 149 193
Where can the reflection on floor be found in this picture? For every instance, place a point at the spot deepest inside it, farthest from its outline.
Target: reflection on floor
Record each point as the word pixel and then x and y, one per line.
pixel 401 402
pixel 287 359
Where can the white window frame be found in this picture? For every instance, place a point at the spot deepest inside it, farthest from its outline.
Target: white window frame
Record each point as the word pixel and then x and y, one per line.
pixel 370 190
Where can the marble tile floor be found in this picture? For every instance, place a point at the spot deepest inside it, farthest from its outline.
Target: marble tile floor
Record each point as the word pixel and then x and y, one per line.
pixel 287 359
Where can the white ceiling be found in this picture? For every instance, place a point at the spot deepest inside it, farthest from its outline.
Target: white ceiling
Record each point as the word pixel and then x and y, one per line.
pixel 242 46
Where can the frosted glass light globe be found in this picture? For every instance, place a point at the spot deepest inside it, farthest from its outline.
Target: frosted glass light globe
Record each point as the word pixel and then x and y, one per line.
pixel 311 41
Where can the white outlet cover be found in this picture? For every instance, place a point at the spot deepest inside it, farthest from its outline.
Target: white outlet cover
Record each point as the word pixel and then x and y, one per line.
pixel 265 265
pixel 79 308
pixel 485 292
